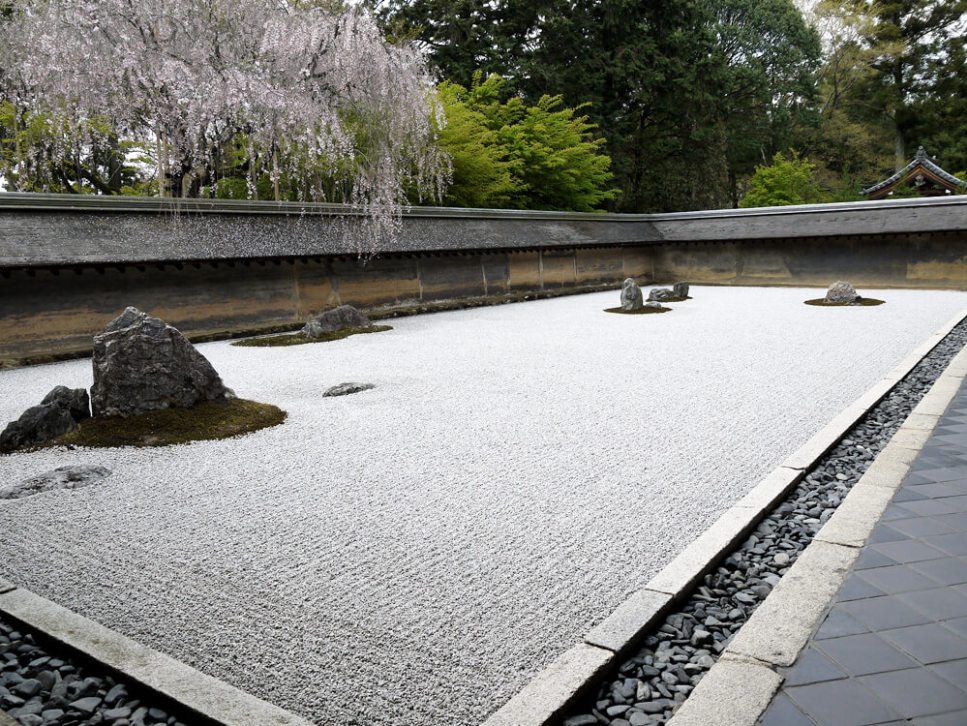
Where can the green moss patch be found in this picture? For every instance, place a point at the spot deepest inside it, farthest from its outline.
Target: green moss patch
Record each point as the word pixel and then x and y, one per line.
pixel 639 311
pixel 863 302
pixel 273 341
pixel 203 422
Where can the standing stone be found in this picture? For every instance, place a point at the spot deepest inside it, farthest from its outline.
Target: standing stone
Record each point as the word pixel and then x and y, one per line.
pixel 631 298
pixel 841 292
pixel 59 413
pixel 345 316
pixel 680 289
pixel 143 364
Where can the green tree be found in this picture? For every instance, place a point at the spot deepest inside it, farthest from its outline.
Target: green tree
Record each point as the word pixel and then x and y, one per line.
pixel 481 172
pixel 786 181
pixel 769 58
pixel 511 154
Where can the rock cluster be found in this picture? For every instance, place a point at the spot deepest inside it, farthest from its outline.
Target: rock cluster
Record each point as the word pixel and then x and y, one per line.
pixel 38 689
pixel 662 294
pixel 345 316
pixel 63 477
pixel 841 293
pixel 143 364
pixel 650 685
pixel 631 297
pixel 59 413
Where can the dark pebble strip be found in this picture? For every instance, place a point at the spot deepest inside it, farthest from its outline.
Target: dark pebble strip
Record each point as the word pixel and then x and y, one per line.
pixel 653 683
pixel 41 689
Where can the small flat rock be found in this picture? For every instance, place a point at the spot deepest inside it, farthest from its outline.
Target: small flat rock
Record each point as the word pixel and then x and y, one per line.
pixel 86 705
pixel 344 389
pixel 63 477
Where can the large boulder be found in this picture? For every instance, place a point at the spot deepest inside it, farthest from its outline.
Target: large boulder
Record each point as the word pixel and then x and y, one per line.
pixel 680 289
pixel 345 316
pixel 841 292
pixel 631 298
pixel 143 364
pixel 58 414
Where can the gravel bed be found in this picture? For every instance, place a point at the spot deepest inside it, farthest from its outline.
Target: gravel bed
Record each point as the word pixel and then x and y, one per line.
pixel 415 553
pixel 650 686
pixel 40 686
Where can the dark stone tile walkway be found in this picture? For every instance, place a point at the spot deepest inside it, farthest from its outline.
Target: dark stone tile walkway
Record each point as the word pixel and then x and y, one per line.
pixel 892 648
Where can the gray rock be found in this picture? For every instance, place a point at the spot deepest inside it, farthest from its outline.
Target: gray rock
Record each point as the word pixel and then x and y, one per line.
pixel 582 720
pixel 344 389
pixel 680 289
pixel 345 316
pixel 86 705
pixel 841 292
pixel 631 298
pixel 63 477
pixel 654 304
pixel 35 426
pixel 27 688
pixel 660 294
pixel 143 364
pixel 75 400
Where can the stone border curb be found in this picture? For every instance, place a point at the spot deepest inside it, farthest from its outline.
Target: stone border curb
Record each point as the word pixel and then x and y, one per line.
pixel 556 687
pixel 782 625
pixel 198 693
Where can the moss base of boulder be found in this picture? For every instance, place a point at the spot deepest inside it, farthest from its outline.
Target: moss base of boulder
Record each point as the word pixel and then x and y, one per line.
pixel 202 422
pixel 272 341
pixel 639 311
pixel 675 299
pixel 862 302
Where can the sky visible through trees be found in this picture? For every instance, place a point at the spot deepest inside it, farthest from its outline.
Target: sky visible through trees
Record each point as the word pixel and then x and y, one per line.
pixel 620 105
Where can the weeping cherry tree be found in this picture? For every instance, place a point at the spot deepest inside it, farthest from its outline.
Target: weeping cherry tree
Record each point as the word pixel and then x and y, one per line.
pixel 313 94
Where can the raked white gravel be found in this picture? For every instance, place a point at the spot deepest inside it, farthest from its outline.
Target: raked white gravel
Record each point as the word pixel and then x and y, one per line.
pixel 413 554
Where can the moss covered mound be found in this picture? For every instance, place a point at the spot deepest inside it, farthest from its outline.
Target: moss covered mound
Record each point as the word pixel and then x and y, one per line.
pixel 639 311
pixel 862 302
pixel 272 341
pixel 204 421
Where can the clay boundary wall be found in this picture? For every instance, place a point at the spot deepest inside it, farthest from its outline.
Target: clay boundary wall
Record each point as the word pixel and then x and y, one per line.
pixel 217 270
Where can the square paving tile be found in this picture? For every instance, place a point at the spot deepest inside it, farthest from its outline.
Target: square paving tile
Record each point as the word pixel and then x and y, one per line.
pixel 945 474
pixel 842 703
pixel 885 533
pixel 955 522
pixel 870 558
pixel 948 571
pixel 927 507
pixel 939 604
pixel 921 526
pixel 959 626
pixel 854 588
pixel 930 643
pixel 957 718
pixel 908 550
pixel 895 511
pixel 934 490
pixel 783 712
pixel 898 578
pixel 955 544
pixel 885 613
pixel 916 692
pixel 813 667
pixel 839 623
pixel 953 671
pixel 907 495
pixel 866 653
